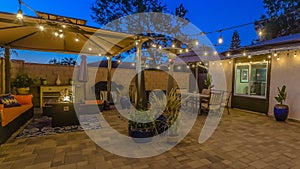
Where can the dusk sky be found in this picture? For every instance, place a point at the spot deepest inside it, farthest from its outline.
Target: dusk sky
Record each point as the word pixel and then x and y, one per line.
pixel 206 15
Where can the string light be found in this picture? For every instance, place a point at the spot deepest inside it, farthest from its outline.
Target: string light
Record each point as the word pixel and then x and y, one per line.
pixel 132 64
pixel 188 66
pixel 41 28
pixel 64 26
pixel 180 51
pixel 220 40
pixel 90 49
pixel 229 62
pixel 154 45
pixel 76 40
pixel 196 42
pixel 55 34
pixel 228 54
pixel 295 54
pixel 61 35
pixel 278 58
pixel 249 56
pixel 179 67
pixel 244 53
pixel 275 54
pixel 107 58
pixel 215 53
pixel 205 53
pixel 20 13
pixel 260 33
pixel 119 61
pixel 186 50
pixel 159 47
pixel 173 45
pixel 193 66
pixel 269 56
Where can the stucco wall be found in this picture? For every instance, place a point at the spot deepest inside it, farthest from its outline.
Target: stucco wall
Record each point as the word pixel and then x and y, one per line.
pixel 286 72
pixel 221 72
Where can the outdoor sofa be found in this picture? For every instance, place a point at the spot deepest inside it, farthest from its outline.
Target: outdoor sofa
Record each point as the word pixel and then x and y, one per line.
pixel 12 118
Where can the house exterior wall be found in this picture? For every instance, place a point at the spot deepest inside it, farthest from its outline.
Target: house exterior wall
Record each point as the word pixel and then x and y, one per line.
pixel 286 72
pixel 222 74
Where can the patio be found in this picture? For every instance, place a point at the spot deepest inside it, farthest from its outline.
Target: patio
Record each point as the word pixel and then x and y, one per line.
pixel 242 140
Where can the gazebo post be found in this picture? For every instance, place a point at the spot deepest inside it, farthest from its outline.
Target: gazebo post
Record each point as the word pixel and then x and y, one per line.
pixel 140 85
pixel 7 70
pixel 109 67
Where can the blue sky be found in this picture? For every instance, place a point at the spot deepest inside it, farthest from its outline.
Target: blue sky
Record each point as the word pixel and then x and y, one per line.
pixel 208 15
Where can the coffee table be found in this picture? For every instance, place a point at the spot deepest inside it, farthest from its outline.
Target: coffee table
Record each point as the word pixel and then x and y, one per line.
pixel 63 114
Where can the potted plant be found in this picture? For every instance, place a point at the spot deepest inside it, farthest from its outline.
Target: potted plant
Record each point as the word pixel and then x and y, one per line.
pixel 208 81
pixel 43 81
pixel 141 126
pixel 281 110
pixel 172 116
pixel 22 83
pixel 71 81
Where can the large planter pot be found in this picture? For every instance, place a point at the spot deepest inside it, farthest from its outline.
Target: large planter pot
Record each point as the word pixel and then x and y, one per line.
pixel 140 135
pixel 23 90
pixel 281 112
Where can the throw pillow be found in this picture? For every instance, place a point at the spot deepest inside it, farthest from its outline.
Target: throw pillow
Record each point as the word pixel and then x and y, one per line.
pixel 9 101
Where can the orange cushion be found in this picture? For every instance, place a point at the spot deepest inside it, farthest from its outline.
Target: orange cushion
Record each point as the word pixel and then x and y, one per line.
pixel 93 102
pixel 24 99
pixel 9 114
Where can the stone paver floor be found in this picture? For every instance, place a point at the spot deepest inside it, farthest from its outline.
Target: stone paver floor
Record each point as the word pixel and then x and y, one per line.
pixel 242 140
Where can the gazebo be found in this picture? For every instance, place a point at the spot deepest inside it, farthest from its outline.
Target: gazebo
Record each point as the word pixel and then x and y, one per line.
pixel 54 33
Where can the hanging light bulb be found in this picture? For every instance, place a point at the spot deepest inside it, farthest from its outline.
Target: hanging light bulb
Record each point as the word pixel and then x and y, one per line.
pixel 278 58
pixel 269 56
pixel 249 56
pixel 173 45
pixel 215 53
pixel 186 50
pixel 179 67
pixel 251 62
pixel 220 40
pixel 64 26
pixel 221 64
pixel 61 35
pixel 132 64
pixel 205 53
pixel 154 45
pixel 260 33
pixel 244 53
pixel 90 49
pixel 196 42
pixel 20 14
pixel 41 28
pixel 55 34
pixel 188 66
pixel 229 62
pixel 295 54
pixel 107 58
pixel 76 40
pixel 193 66
pixel 159 47
pixel 228 54
pixel 275 54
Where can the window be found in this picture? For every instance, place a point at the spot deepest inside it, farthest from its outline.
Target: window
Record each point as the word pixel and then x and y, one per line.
pixel 251 79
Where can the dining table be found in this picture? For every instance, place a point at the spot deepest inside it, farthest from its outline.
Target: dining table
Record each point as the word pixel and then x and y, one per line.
pixel 192 101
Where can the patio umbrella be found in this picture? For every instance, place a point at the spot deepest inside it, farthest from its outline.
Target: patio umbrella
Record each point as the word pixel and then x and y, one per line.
pixel 83 74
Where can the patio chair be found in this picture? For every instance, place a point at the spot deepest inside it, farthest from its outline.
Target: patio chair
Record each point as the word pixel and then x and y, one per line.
pixel 214 103
pixel 226 99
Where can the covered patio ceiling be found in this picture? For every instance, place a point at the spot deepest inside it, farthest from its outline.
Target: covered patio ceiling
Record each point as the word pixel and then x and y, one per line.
pixel 61 34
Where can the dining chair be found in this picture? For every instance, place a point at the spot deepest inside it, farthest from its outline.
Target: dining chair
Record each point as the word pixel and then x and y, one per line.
pixel 214 103
pixel 226 100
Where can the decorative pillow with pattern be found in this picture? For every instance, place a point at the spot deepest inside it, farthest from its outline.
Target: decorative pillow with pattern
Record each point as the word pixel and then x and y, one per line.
pixel 9 101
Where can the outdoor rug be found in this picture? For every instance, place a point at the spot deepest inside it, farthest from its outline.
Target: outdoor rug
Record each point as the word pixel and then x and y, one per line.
pixel 41 126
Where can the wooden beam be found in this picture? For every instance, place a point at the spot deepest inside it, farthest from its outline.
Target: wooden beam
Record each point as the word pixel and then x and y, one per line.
pixel 7 70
